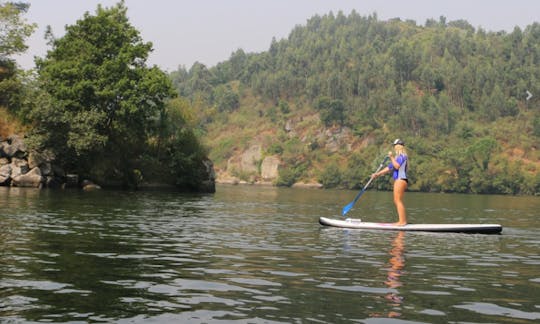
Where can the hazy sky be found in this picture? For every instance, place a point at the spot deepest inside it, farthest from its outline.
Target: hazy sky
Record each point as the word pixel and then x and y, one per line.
pixel 208 31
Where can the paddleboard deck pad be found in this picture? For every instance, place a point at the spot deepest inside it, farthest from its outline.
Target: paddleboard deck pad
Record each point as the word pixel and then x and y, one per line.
pixel 445 228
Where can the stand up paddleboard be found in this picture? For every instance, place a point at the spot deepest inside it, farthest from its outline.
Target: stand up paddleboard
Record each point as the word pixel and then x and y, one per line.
pixel 452 228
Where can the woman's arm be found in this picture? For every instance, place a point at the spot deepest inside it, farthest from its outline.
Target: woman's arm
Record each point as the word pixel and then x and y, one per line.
pixel 395 163
pixel 380 173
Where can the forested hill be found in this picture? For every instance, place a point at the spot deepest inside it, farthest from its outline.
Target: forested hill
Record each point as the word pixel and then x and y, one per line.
pixel 328 99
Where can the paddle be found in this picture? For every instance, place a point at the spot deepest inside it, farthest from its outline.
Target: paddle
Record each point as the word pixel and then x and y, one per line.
pixel 351 204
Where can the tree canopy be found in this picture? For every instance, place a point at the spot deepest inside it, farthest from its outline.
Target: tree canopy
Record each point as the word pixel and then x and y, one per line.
pixel 14 30
pixel 102 109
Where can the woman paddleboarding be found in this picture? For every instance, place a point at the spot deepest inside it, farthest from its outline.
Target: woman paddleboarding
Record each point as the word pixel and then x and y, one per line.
pixel 398 167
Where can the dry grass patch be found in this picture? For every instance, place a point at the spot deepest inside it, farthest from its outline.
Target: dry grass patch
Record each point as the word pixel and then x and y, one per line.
pixel 9 125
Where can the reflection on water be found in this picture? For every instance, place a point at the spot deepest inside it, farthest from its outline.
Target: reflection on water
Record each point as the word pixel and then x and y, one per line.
pixel 397 262
pixel 258 255
pixel 393 279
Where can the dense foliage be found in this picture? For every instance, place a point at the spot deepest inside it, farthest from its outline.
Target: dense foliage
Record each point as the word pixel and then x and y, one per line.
pixel 104 113
pixel 14 30
pixel 456 94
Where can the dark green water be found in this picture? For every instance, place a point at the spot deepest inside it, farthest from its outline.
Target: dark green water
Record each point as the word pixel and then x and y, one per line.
pixel 258 255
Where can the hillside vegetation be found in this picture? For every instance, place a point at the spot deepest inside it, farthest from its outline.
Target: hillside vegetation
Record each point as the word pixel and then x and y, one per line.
pixel 329 99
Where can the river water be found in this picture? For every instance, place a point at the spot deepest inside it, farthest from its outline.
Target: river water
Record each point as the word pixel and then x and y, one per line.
pixel 251 254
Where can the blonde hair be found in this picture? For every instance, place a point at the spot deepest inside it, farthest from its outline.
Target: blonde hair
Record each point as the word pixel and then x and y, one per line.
pixel 400 149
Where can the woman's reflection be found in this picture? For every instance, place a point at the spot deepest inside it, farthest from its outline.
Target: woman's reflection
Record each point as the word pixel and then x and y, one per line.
pixel 397 262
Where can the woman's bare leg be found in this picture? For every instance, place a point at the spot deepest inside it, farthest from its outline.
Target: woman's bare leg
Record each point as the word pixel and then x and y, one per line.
pixel 399 190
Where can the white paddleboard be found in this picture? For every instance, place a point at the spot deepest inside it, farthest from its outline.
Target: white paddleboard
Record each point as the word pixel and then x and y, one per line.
pixel 456 228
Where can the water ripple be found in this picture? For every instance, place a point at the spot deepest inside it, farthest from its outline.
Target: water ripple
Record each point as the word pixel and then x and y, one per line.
pixel 493 309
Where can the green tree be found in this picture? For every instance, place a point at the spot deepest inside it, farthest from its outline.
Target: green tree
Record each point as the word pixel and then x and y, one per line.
pixel 14 30
pixel 356 173
pixel 536 126
pixel 225 99
pixel 176 156
pixel 103 95
pixel 331 176
pixel 200 80
pixel 331 110
pixel 481 152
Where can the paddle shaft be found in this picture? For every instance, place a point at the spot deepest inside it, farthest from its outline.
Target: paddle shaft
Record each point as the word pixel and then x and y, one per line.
pixel 351 204
pixel 370 179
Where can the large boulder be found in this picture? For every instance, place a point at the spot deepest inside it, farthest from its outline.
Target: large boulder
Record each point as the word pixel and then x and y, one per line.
pixel 88 185
pixel 245 163
pixel 250 159
pixel 42 160
pixel 269 168
pixel 5 174
pixel 31 179
pixel 19 167
pixel 13 147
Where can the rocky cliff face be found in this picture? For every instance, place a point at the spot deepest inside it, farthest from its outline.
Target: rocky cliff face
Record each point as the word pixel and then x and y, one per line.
pixel 254 165
pixel 250 166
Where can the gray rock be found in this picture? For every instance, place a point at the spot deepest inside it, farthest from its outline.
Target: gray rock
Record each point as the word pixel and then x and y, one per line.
pixel 88 185
pixel 18 167
pixel 269 168
pixel 31 179
pixel 14 147
pixel 5 174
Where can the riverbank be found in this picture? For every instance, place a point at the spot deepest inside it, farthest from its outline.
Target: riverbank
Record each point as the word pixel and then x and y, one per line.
pixel 23 167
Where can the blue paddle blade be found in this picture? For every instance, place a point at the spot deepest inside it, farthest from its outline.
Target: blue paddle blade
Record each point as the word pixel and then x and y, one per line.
pixel 347 208
pixel 351 204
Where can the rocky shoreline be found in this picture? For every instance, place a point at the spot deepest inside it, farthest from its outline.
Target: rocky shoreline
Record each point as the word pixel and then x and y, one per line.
pixel 20 167
pixel 228 180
